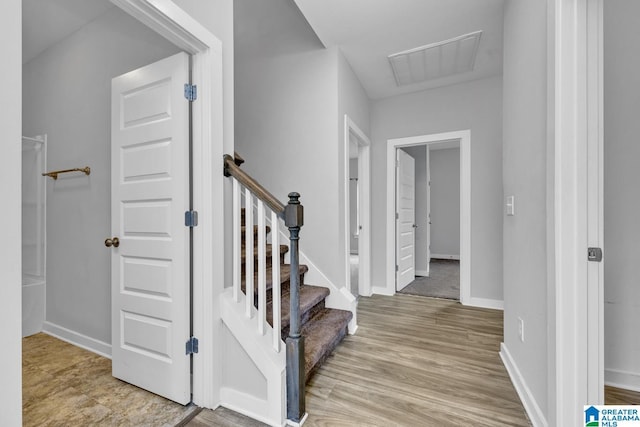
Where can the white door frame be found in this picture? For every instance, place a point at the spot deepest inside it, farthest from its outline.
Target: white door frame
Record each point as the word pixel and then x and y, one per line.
pixel 576 109
pixel 464 136
pixel 173 23
pixel 428 169
pixel 364 183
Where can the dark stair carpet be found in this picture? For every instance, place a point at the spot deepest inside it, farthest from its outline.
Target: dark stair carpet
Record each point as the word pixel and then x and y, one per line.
pixel 322 328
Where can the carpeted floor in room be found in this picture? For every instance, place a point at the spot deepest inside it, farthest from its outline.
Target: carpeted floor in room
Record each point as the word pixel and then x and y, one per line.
pixel 443 281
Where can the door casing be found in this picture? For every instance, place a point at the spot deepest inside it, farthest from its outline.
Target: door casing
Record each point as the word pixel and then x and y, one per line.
pixel 464 136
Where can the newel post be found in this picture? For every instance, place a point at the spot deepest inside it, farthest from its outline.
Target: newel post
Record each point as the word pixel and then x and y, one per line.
pixel 293 219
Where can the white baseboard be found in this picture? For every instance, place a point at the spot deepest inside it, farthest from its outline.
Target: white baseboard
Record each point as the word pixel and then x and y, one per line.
pixel 382 291
pixel 622 379
pixel 445 256
pixel 77 339
pixel 526 397
pixel 485 303
pixel 423 273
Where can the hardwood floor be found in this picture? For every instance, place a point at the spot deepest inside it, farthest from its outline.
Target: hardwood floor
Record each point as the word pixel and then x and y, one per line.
pixel 618 396
pixel 414 361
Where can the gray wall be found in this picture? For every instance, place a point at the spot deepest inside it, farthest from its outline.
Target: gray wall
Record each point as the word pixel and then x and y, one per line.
pixel 621 184
pixel 67 95
pixel 10 229
pixel 445 201
pixel 525 177
pixel 476 106
pixel 291 96
pixel 419 154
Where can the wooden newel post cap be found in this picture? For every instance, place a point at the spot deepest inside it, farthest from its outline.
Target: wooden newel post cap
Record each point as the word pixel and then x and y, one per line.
pixel 294 211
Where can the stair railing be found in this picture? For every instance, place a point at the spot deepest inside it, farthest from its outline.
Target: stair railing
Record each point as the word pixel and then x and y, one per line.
pixel 293 216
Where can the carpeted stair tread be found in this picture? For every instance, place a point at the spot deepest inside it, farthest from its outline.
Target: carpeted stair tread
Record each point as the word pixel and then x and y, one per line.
pixel 285 275
pixel 243 230
pixel 268 251
pixel 322 335
pixel 310 297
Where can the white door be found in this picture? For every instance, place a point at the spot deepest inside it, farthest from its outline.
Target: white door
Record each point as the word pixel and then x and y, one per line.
pixel 406 220
pixel 149 197
pixel 428 209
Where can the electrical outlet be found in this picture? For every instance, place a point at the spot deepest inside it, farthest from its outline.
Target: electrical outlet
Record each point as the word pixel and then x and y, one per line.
pixel 521 329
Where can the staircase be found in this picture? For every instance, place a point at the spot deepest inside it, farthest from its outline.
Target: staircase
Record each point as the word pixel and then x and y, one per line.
pixel 269 302
pixel 322 328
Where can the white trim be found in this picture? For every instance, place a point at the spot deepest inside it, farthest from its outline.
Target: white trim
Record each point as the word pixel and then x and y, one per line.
pixel 622 379
pixel 464 136
pixel 576 105
pixel 173 23
pixel 528 401
pixel 494 304
pixel 422 273
pixel 364 174
pixel 79 340
pixel 443 256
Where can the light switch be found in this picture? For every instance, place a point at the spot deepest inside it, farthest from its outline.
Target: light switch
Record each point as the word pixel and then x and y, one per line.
pixel 510 206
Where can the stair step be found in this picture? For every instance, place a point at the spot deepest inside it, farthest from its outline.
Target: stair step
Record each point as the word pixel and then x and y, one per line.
pixel 243 229
pixel 285 275
pixel 311 302
pixel 269 249
pixel 322 335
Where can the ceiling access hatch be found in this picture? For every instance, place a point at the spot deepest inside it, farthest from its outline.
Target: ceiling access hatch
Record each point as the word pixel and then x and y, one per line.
pixel 436 60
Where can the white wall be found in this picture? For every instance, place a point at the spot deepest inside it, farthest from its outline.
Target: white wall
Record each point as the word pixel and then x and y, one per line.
pixel 476 106
pixel 67 95
pixel 525 177
pixel 621 184
pixel 291 97
pixel 445 201
pixel 10 229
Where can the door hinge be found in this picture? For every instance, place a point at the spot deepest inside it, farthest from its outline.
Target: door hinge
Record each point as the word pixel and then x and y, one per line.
pixel 594 254
pixel 192 346
pixel 397 268
pixel 190 92
pixel 191 218
pixel 397 215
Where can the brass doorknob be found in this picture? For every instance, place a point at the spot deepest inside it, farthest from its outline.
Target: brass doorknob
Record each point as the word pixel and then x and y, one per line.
pixel 115 242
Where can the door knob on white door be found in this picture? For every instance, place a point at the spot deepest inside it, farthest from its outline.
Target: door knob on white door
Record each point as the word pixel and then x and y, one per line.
pixel 115 242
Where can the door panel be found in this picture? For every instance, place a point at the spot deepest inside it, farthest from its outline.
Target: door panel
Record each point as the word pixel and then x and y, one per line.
pixel 150 193
pixel 406 208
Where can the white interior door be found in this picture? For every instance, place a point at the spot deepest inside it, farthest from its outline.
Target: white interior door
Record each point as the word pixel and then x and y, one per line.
pixel 428 168
pixel 149 196
pixel 406 220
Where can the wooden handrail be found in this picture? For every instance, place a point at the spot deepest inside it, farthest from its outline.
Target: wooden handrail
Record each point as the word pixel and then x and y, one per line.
pixel 231 169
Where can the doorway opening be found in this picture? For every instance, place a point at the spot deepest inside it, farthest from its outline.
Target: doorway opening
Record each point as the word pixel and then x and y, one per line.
pixel 401 223
pixel 162 31
pixel 435 225
pixel 357 189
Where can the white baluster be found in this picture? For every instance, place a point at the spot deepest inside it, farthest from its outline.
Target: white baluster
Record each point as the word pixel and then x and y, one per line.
pixel 237 241
pixel 248 250
pixel 275 290
pixel 262 269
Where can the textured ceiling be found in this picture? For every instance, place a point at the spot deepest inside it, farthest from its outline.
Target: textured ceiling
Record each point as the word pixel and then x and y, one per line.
pixel 368 31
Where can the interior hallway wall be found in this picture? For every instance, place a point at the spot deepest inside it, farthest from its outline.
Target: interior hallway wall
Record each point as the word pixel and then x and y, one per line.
pixel 526 177
pixel 445 202
pixel 67 95
pixel 476 106
pixel 10 226
pixel 621 183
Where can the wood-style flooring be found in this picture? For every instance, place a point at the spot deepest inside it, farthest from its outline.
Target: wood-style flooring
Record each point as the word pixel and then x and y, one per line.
pixel 65 385
pixel 414 361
